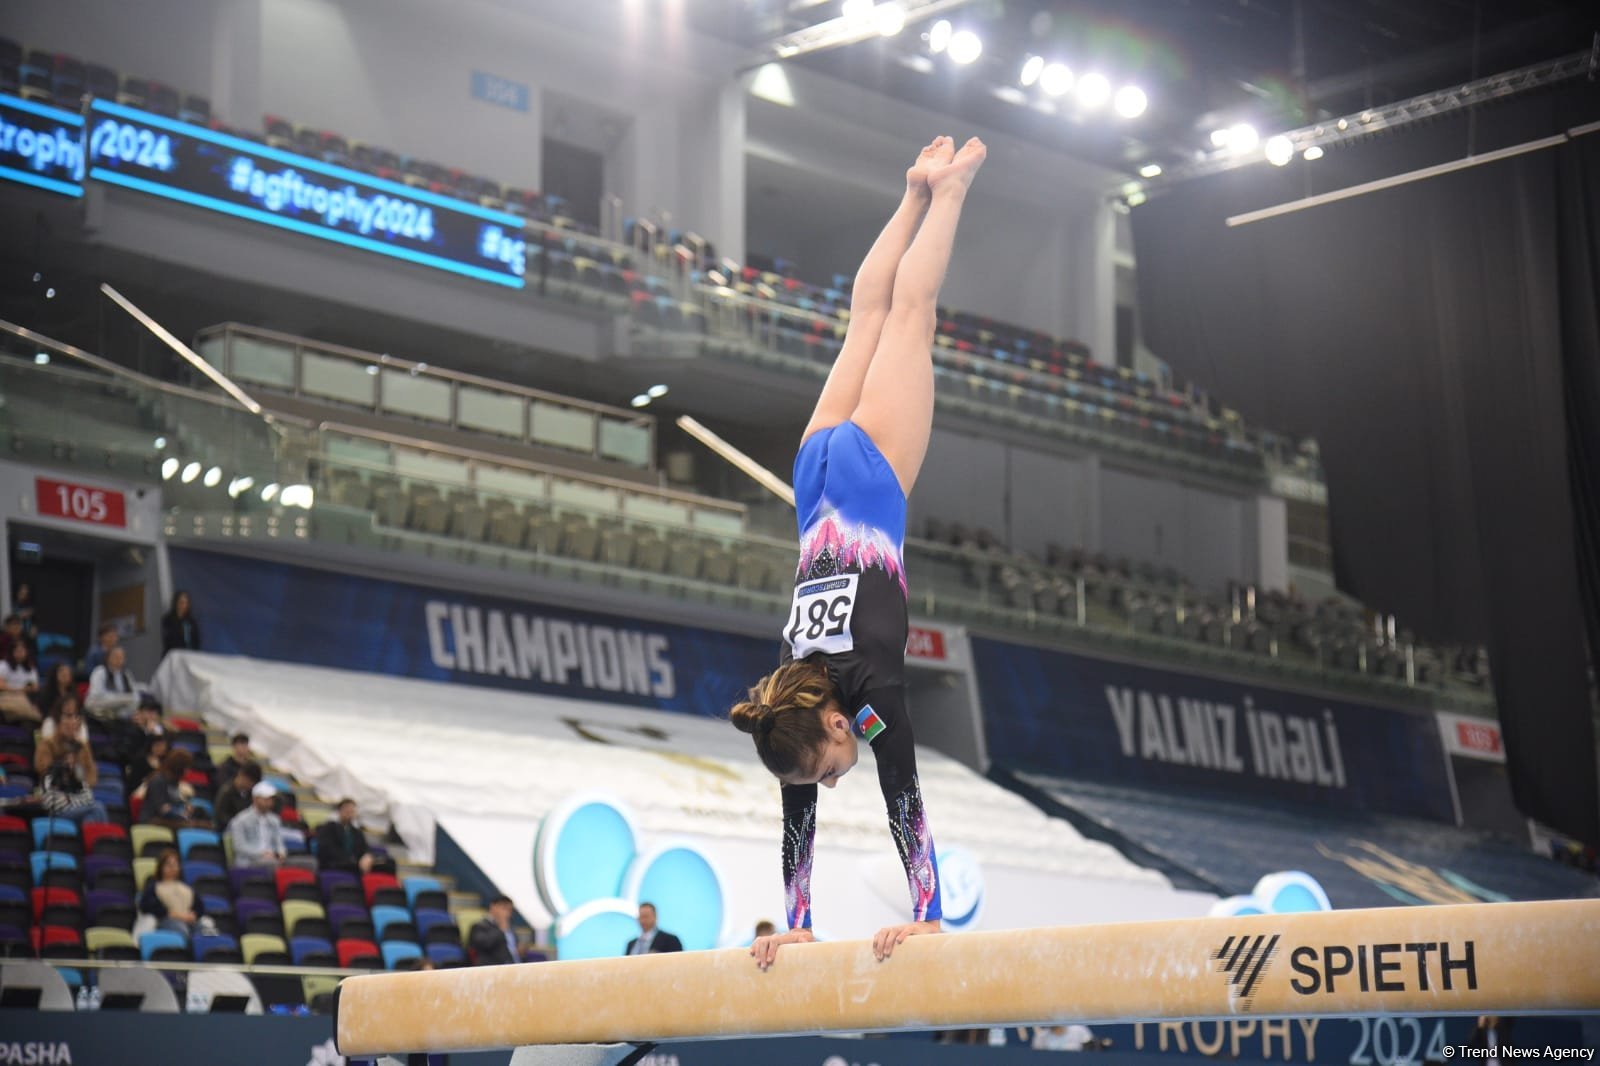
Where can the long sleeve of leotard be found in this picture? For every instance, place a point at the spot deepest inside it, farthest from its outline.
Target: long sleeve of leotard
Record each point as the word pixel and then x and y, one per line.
pixel 896 753
pixel 799 838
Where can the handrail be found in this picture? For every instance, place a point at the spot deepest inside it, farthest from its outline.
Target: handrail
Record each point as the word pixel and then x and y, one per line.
pixel 533 466
pixel 633 418
pixel 729 294
pixel 134 376
pixel 200 967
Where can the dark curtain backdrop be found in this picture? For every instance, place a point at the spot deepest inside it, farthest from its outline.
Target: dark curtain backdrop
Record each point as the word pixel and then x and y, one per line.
pixel 1441 340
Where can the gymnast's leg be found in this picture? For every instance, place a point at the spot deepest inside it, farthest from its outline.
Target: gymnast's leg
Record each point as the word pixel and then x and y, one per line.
pixel 896 400
pixel 873 289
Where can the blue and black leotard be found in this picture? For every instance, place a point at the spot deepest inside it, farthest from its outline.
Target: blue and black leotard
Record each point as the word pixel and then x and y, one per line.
pixel 849 609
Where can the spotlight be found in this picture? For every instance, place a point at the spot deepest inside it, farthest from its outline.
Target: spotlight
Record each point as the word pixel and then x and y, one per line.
pixel 1312 154
pixel 965 47
pixel 939 36
pixel 268 492
pixel 50 294
pixel 159 443
pixel 640 400
pixel 889 18
pixel 1150 170
pixel 42 358
pixel 1280 150
pixel 239 486
pixel 1093 90
pixel 213 477
pixel 1243 137
pixel 302 496
pixel 1135 199
pixel 190 472
pixel 1031 71
pixel 372 369
pixel 168 468
pixel 856 9
pixel 655 392
pixel 1219 138
pixel 1056 79
pixel 1130 101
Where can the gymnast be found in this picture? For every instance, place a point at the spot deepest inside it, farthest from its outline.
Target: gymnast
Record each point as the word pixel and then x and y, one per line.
pixel 841 669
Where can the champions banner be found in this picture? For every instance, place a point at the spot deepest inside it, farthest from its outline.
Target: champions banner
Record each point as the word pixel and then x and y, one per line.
pixel 1054 712
pixel 270 610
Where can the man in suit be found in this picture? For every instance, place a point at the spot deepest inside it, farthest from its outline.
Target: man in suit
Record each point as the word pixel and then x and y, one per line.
pixel 491 939
pixel 650 938
pixel 341 845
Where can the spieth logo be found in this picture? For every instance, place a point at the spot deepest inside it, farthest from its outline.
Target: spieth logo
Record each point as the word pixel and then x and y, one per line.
pixel 1245 959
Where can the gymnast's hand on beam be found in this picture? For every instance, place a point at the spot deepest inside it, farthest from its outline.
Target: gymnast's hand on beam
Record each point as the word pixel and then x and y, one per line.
pixel 883 944
pixel 765 948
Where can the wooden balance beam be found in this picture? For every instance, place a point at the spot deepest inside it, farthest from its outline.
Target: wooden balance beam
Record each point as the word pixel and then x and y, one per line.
pixel 1489 958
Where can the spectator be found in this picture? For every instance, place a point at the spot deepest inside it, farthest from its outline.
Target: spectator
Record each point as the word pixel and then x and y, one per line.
pixel 67 772
pixel 651 939
pixel 234 797
pixel 112 688
pixel 52 719
pixel 145 764
pixel 10 633
pixel 109 637
pixel 341 845
pixel 22 605
pixel 167 898
pixel 178 627
pixel 491 939
pixel 132 738
pixel 58 682
pixel 236 758
pixel 257 834
pixel 164 801
pixel 19 682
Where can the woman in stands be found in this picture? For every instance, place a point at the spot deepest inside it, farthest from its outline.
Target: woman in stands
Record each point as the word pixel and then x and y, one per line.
pixel 840 678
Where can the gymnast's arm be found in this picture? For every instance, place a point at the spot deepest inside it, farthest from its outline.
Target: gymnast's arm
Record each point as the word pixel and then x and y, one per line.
pixel 896 753
pixel 799 838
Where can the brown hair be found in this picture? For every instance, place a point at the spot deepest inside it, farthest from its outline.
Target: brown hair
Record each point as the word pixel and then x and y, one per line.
pixel 783 711
pixel 161 862
pixel 177 763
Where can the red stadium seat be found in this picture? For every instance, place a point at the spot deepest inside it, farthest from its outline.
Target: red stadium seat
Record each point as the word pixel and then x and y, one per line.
pixel 102 838
pixel 297 883
pixel 356 954
pixel 382 888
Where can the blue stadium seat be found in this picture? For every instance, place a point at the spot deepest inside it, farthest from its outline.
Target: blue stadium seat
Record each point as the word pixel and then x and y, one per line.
pixel 396 951
pixel 394 921
pixel 446 954
pixel 201 844
pixel 41 861
pixel 218 948
pixel 432 892
pixel 437 927
pixel 61 834
pixel 312 951
pixel 163 945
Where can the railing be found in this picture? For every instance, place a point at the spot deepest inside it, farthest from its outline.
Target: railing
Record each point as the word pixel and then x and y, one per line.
pixel 383 384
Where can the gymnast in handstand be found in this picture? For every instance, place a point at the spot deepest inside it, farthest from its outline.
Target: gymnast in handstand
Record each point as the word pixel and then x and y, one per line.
pixel 841 677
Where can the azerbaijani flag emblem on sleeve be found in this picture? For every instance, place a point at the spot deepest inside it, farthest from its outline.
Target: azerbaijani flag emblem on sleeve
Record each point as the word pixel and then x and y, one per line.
pixel 868 724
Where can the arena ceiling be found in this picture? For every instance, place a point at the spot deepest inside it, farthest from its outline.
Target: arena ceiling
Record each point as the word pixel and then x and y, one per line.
pixel 1203 64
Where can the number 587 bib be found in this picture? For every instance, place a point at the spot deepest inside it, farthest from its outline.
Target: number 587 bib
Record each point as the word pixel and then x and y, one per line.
pixel 819 619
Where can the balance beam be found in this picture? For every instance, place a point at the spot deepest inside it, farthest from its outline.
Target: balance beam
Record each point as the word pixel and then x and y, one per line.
pixel 1492 958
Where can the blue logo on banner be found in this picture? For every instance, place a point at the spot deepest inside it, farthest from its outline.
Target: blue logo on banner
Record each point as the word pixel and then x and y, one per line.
pixel 592 876
pixel 502 92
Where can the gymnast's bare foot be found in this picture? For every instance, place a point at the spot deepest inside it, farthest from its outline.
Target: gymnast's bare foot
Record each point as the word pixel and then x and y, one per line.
pixel 933 157
pixel 957 175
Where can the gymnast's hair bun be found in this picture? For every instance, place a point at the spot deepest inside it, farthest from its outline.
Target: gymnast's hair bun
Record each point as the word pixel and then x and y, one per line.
pixel 752 717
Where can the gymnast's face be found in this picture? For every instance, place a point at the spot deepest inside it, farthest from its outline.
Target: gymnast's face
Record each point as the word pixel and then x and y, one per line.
pixel 836 757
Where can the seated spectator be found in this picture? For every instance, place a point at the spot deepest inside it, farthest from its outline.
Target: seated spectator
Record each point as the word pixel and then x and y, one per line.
pixel 19 682
pixel 23 607
pixel 165 802
pixel 66 770
pixel 257 834
pixel 145 764
pixel 234 796
pixel 58 682
pixel 106 637
pixel 178 627
pixel 130 739
pixel 52 719
pixel 240 755
pixel 10 633
pixel 168 899
pixel 341 845
pixel 491 940
pixel 113 692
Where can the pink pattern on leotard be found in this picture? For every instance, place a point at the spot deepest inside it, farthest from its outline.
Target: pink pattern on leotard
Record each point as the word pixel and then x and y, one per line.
pixel 835 545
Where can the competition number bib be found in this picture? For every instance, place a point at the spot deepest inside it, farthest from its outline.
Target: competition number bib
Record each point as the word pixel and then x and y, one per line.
pixel 820 617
